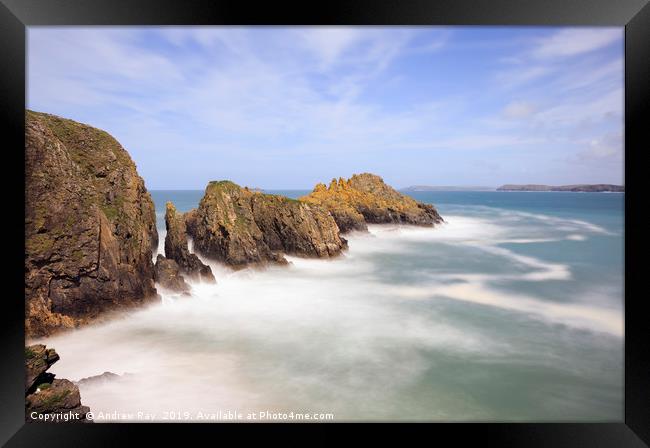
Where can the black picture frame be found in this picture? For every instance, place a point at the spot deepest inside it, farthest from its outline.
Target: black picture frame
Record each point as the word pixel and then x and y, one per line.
pixel 634 15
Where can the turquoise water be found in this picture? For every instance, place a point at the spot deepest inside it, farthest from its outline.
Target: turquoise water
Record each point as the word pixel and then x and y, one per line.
pixel 510 311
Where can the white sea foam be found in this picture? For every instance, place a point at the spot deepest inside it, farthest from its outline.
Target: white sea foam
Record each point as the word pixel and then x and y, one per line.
pixel 476 287
pixel 161 244
pixel 564 223
pixel 330 334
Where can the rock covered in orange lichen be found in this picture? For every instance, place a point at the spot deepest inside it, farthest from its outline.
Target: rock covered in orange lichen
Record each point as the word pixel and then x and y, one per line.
pixel 365 198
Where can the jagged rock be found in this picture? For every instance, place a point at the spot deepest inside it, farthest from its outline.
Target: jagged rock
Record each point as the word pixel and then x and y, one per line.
pixel 56 398
pixel 45 395
pixel 335 199
pixel 176 247
pixel 168 275
pixel 238 227
pixel 90 226
pixel 365 198
pixel 37 360
pixel 98 379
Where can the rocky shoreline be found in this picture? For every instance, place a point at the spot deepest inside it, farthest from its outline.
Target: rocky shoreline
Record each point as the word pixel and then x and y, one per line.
pixel 90 236
pixel 49 399
pixel 91 233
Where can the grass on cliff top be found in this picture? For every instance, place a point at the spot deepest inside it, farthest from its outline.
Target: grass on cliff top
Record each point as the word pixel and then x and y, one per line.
pixel 29 353
pixel 241 200
pixel 72 134
pixel 55 398
pixel 217 186
pixel 222 184
pixel 278 197
pixel 99 156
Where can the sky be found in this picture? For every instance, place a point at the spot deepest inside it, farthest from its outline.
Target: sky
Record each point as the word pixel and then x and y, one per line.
pixel 287 107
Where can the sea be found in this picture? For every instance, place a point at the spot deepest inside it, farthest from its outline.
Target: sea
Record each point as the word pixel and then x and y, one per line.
pixel 510 311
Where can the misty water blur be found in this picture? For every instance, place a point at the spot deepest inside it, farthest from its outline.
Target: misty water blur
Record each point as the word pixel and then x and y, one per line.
pixel 510 311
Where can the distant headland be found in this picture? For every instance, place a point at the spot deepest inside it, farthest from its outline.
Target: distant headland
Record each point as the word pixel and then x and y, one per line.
pixel 590 188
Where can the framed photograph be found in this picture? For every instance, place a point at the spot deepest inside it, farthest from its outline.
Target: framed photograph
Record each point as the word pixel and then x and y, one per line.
pixel 413 216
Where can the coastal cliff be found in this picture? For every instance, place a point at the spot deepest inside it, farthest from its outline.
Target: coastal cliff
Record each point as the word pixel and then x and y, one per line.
pixel 365 198
pixel 90 226
pixel 47 396
pixel 238 226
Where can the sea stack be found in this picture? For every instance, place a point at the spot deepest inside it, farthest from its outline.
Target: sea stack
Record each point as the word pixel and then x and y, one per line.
pixel 366 199
pixel 90 226
pixel 168 275
pixel 238 227
pixel 176 247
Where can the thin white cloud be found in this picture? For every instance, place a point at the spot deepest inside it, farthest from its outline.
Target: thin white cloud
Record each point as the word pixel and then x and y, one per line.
pixel 586 108
pixel 514 78
pixel 329 44
pixel 207 91
pixel 608 146
pixel 572 42
pixel 476 141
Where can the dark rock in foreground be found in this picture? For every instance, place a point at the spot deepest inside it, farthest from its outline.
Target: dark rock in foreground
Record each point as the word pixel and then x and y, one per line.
pixel 45 396
pixel 37 360
pixel 239 227
pixel 168 275
pixel 365 198
pixel 176 247
pixel 588 188
pixel 90 226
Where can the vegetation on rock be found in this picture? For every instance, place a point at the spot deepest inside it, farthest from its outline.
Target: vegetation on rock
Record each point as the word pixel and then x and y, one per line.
pixel 238 226
pixel 90 225
pixel 43 393
pixel 365 198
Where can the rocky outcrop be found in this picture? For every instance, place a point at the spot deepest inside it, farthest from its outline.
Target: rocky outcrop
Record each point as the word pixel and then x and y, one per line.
pixel 365 198
pixel 337 200
pixel 47 398
pixel 176 247
pixel 38 360
pixel 238 227
pixel 95 380
pixel 168 275
pixel 90 226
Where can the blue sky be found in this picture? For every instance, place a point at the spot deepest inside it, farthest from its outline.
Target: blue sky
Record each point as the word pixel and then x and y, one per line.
pixel 280 107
